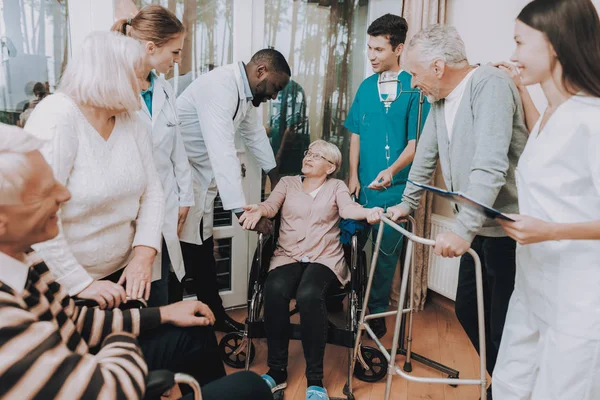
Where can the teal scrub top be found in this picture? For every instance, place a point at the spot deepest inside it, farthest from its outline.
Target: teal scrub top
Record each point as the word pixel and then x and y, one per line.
pixel 367 117
pixel 147 94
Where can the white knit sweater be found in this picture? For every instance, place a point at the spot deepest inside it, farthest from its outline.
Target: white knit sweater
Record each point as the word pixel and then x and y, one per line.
pixel 116 196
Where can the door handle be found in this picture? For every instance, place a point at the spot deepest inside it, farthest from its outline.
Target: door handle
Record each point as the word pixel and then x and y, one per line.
pixel 243 170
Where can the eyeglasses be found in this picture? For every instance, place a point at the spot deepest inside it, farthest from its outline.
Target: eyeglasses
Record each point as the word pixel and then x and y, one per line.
pixel 309 154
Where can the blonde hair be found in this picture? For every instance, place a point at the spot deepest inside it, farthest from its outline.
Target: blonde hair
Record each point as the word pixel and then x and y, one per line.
pixel 103 73
pixel 15 143
pixel 330 151
pixel 153 23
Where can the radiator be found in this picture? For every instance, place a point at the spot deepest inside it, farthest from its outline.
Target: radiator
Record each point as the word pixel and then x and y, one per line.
pixel 443 272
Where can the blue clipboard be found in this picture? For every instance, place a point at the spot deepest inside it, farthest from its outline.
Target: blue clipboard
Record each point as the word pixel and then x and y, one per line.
pixel 464 200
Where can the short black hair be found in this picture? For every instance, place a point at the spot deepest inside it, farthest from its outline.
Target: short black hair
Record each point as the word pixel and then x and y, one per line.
pixel 273 59
pixel 390 25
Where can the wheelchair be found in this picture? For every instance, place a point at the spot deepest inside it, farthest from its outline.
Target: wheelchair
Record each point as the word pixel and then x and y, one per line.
pixel 237 348
pixel 158 381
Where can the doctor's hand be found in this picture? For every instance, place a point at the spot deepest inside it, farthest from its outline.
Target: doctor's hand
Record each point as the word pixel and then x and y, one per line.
pixel 252 214
pixel 183 213
pixel 137 275
pixel 449 244
pixel 526 229
pixel 187 313
pixel 354 185
pixel 382 181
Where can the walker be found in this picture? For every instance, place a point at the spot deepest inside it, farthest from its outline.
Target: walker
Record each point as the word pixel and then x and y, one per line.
pixel 393 368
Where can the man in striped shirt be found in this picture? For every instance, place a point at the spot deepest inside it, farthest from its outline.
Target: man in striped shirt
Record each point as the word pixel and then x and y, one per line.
pixel 45 339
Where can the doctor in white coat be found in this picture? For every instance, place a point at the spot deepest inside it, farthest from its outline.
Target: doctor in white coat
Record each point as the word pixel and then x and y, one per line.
pixel 550 347
pixel 162 35
pixel 211 110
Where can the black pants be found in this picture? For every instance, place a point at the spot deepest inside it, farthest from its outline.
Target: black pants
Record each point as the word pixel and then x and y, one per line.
pixel 239 386
pixel 498 269
pixel 159 291
pixel 309 284
pixel 193 351
pixel 200 265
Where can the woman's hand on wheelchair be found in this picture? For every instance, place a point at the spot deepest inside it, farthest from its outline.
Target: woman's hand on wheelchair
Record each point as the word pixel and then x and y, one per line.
pixel 249 219
pixel 374 215
pixel 106 293
pixel 137 275
pixel 187 313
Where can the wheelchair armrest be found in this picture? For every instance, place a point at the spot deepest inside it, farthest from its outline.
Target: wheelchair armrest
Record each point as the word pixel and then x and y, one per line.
pixel 158 382
pixel 140 303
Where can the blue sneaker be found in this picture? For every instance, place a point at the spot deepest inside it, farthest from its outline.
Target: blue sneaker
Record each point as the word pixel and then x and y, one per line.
pixel 273 385
pixel 316 393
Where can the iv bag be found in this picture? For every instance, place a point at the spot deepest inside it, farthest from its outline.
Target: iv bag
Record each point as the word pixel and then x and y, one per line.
pixel 388 85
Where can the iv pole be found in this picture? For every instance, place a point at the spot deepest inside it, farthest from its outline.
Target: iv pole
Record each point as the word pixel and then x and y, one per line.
pixel 405 350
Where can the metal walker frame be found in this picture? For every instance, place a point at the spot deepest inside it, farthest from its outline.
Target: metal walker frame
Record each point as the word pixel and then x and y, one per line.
pixel 393 368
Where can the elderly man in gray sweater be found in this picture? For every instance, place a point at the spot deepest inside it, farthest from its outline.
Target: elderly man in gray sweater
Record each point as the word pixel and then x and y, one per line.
pixel 476 130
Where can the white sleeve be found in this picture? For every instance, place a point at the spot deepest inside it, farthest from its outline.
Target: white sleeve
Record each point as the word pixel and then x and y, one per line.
pixel 181 166
pixel 215 105
pixel 148 230
pixel 183 172
pixel 58 127
pixel 255 137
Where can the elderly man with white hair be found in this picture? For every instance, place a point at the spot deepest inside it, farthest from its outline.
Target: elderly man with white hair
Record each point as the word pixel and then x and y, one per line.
pixel 476 131
pixel 45 339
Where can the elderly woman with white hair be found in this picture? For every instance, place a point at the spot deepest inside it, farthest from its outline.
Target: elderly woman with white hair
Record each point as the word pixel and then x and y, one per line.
pixel 309 259
pixel 101 152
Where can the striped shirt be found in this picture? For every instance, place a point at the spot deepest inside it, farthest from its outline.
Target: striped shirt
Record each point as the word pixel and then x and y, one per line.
pixel 45 343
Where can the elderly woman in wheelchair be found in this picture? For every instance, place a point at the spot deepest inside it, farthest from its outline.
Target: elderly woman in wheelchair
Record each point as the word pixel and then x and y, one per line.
pixel 307 261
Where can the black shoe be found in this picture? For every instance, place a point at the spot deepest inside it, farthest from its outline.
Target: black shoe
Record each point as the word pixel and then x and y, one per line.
pixel 378 327
pixel 226 324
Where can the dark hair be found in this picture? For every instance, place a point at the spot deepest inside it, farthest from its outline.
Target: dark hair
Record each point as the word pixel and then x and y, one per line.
pixel 39 90
pixel 273 59
pixel 573 29
pixel 390 25
pixel 152 23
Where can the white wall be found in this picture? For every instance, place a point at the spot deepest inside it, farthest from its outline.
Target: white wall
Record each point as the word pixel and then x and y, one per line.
pixel 486 27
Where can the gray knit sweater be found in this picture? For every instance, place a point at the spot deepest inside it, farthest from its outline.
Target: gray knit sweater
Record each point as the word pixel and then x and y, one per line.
pixel 488 138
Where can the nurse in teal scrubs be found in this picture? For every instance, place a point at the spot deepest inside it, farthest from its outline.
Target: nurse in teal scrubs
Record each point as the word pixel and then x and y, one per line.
pixel 383 144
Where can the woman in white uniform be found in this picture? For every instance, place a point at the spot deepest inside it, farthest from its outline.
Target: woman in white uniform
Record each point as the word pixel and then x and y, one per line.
pixel 161 35
pixel 551 342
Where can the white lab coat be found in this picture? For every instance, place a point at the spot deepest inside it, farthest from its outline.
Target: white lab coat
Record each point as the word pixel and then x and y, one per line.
pixel 206 110
pixel 172 166
pixel 557 286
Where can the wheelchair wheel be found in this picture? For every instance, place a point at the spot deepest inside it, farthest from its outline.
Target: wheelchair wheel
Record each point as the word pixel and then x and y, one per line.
pixel 376 363
pixel 229 346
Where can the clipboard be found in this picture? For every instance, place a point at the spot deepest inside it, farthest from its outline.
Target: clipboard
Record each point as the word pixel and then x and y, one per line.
pixel 464 200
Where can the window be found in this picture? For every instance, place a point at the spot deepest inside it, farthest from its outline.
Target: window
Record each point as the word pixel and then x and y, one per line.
pixel 209 35
pixel 34 48
pixel 324 44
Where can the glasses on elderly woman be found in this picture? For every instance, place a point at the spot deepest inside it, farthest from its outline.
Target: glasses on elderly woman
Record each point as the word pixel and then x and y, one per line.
pixel 310 154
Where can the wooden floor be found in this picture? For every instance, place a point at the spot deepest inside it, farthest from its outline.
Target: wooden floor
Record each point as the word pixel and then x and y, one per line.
pixel 436 334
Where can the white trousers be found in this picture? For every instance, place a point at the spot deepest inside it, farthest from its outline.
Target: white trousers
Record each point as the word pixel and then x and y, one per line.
pixel 536 362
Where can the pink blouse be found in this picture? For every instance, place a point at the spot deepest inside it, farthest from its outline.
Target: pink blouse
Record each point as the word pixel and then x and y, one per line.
pixel 309 229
